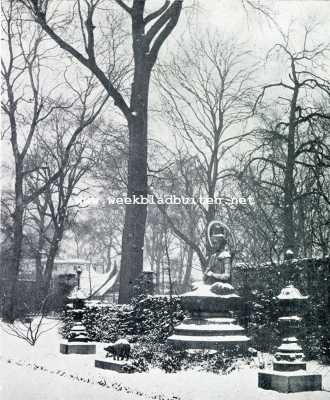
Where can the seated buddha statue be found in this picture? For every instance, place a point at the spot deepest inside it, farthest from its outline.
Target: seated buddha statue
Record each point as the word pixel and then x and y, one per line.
pixel 218 271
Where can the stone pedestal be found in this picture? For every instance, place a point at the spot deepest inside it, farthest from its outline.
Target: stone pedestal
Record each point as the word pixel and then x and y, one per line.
pixel 289 368
pixel 77 348
pixel 289 382
pixel 113 365
pixel 210 324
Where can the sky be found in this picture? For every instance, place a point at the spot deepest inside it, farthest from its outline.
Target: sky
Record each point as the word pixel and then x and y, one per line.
pixel 257 33
pixel 229 18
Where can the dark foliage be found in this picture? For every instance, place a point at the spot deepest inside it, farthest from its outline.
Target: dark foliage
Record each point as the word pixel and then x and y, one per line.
pixel 148 321
pixel 259 285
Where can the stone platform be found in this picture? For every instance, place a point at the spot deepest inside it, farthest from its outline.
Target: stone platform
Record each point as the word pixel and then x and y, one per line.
pixel 289 382
pixel 208 333
pixel 210 325
pixel 113 365
pixel 77 348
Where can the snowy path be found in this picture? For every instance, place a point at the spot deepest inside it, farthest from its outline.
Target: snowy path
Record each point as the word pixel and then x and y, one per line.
pixel 186 385
pixel 20 383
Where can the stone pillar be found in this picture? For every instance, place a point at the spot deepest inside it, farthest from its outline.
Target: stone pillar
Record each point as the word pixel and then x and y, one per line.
pixel 289 368
pixel 289 355
pixel 78 342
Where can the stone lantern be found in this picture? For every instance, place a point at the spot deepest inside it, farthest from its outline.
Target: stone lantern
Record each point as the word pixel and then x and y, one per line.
pixel 289 368
pixel 78 341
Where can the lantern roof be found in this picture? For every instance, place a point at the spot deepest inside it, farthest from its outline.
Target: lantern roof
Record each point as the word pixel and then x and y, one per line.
pixel 291 293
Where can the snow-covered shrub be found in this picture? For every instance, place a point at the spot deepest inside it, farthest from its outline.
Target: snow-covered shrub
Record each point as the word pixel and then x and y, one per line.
pixel 136 365
pixel 260 284
pixel 151 317
pixel 171 363
pixel 67 324
pixel 156 317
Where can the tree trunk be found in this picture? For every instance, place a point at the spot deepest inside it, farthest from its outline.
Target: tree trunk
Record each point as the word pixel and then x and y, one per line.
pixel 38 258
pixel 10 306
pixel 288 220
pixel 56 240
pixel 39 280
pixel 187 275
pixel 131 265
pixel 135 217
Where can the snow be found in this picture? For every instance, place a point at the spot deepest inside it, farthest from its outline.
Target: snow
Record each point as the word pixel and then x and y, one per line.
pixel 217 339
pixel 44 373
pixel 202 289
pixel 209 327
pixel 291 293
pixel 77 294
pixel 91 281
pixel 38 385
pixel 106 285
pixel 290 347
pixel 291 318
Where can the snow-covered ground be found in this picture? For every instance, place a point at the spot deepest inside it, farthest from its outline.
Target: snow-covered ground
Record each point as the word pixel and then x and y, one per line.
pixel 42 373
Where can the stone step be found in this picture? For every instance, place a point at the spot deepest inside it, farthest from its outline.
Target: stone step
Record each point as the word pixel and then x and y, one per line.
pixel 209 315
pixel 289 348
pixel 209 321
pixel 206 342
pixel 209 330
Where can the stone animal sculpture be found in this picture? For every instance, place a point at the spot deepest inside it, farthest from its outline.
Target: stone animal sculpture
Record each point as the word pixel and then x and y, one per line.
pixel 120 349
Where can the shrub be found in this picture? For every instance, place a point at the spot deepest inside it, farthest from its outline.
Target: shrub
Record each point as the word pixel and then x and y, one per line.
pixel 258 285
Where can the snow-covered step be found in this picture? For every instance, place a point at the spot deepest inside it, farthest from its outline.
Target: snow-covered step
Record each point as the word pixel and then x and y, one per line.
pixel 209 321
pixel 205 330
pixel 206 342
pixel 289 348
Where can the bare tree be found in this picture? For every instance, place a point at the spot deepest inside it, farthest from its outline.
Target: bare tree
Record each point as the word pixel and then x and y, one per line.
pixel 205 93
pixel 287 137
pixel 61 198
pixel 30 327
pixel 28 103
pixel 97 232
pixel 25 106
pixel 149 32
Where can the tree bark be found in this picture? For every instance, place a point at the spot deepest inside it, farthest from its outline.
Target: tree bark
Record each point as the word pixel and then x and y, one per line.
pixel 10 306
pixel 289 184
pixel 136 214
pixel 146 46
pixel 187 275
pixel 47 276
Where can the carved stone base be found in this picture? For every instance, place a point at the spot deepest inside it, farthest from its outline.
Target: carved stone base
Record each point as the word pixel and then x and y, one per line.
pixel 289 366
pixel 77 348
pixel 210 325
pixel 289 382
pixel 208 333
pixel 113 365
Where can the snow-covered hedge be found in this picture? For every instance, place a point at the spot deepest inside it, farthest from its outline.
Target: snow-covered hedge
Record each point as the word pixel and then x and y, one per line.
pixel 258 285
pixel 150 316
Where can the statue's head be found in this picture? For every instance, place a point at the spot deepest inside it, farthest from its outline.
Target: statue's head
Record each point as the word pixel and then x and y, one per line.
pixel 218 238
pixel 218 242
